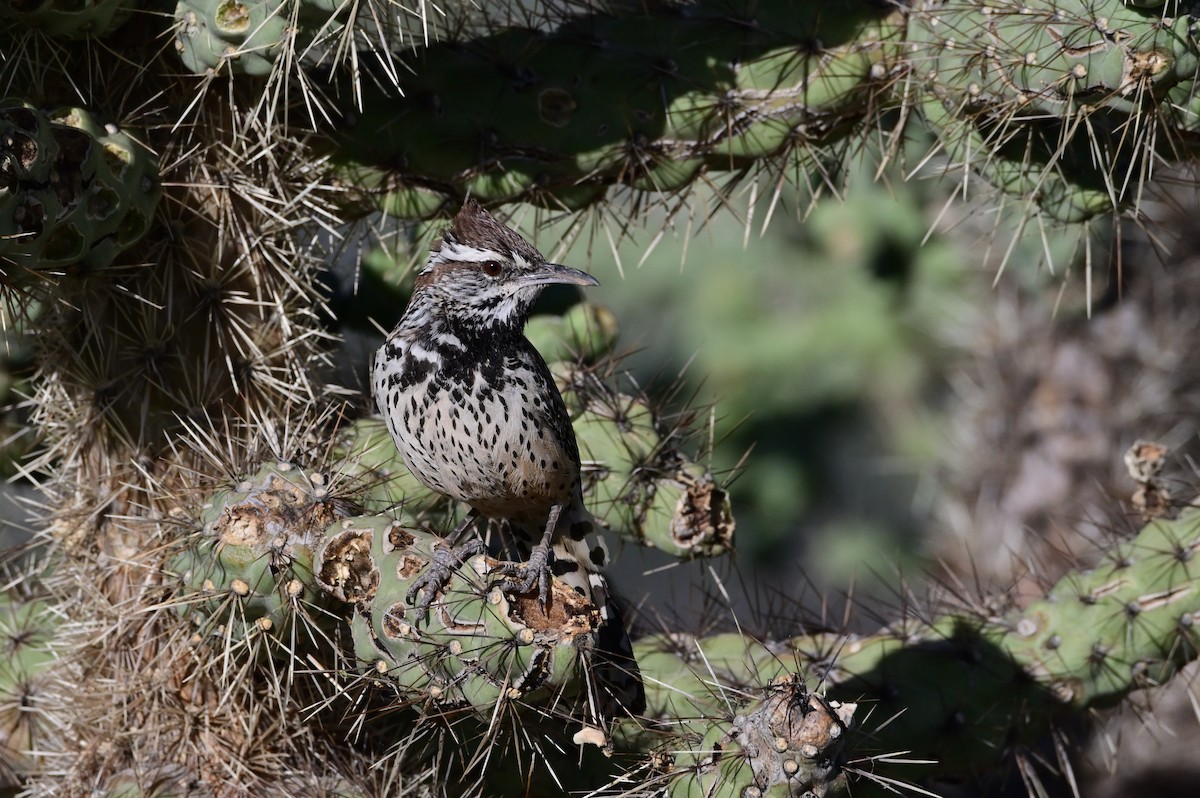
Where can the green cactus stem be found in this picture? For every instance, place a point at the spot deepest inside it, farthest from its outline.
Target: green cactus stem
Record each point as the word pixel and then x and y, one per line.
pixel 477 646
pixel 650 100
pixel 639 482
pixel 71 189
pixel 961 689
pixel 1061 102
pixel 370 463
pixel 1082 78
pixel 27 660
pixel 584 334
pixel 240 36
pixel 250 570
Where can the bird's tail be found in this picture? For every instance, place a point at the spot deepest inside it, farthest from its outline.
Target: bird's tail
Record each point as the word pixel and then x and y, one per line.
pixel 615 687
pixel 615 683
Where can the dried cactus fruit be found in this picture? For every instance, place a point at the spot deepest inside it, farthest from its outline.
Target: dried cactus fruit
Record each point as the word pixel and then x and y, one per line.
pixel 71 190
pixel 788 742
pixel 1152 499
pixel 250 570
pixel 478 645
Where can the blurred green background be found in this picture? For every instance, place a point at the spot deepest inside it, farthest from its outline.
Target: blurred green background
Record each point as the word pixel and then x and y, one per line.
pixel 825 344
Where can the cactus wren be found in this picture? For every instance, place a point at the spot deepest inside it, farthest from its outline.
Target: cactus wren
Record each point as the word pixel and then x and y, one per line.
pixel 475 412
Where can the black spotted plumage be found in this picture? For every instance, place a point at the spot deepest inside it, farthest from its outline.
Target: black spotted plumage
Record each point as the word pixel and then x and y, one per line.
pixel 475 412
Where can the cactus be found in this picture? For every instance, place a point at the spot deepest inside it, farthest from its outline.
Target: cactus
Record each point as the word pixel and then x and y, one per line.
pixel 252 565
pixel 644 487
pixel 583 334
pixel 253 37
pixel 222 579
pixel 73 20
pixel 380 478
pixel 788 742
pixel 271 553
pixel 553 117
pixel 1087 78
pixel 479 645
pixel 28 643
pixel 243 37
pixel 968 685
pixel 1136 607
pixel 75 191
pixel 1025 94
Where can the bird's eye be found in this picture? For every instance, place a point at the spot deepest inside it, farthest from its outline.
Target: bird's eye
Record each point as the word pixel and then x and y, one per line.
pixel 491 268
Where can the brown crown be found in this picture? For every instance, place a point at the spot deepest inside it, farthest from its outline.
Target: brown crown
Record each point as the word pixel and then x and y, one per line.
pixel 476 227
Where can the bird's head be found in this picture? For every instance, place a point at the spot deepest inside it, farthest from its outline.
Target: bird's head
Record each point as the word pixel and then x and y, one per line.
pixel 483 275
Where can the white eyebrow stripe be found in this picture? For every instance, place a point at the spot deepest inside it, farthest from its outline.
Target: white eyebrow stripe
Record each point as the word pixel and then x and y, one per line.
pixel 462 252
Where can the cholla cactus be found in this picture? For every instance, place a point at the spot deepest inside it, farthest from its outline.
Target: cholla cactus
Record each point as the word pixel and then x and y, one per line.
pixel 218 572
pixel 27 639
pixel 76 192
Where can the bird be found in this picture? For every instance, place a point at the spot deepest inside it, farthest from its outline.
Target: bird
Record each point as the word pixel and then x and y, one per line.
pixel 476 415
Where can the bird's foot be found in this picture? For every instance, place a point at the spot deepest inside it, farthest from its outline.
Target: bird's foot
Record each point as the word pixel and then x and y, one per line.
pixel 446 560
pixel 536 571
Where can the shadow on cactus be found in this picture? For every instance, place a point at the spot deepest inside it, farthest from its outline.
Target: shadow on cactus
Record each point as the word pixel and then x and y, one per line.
pixel 555 115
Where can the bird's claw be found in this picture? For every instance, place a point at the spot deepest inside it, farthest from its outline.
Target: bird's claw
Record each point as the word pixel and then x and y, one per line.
pixel 536 571
pixel 446 560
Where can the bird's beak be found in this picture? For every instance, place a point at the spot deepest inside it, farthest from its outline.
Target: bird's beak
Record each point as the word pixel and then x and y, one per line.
pixel 551 273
